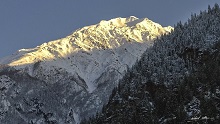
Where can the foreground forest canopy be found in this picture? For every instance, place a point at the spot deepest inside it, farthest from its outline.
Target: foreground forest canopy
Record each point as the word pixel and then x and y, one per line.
pixel 177 80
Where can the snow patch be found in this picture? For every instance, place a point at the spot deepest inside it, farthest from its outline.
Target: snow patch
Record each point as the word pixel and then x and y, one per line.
pixel 76 118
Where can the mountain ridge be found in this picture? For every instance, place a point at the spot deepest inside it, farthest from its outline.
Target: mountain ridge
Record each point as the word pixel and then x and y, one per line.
pixel 175 81
pixel 77 72
pixel 86 40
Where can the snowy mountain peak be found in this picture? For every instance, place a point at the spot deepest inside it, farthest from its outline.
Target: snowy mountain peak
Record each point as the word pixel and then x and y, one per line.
pixel 84 67
pixel 131 18
pixel 119 22
pixel 105 35
pixel 90 51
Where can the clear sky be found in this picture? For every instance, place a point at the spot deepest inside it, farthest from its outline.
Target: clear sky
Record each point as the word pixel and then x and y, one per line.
pixel 29 23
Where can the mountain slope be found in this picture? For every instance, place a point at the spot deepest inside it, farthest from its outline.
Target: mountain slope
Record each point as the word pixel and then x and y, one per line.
pixel 175 81
pixel 76 73
pixel 87 50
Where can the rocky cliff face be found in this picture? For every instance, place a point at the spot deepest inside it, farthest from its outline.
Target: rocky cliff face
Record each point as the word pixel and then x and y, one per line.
pixel 68 79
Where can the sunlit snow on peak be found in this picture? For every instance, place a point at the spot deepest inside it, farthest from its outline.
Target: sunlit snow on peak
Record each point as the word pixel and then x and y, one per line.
pixel 89 51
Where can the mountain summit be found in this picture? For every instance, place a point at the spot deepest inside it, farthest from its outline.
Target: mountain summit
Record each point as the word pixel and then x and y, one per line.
pixel 176 81
pixel 88 51
pixel 76 73
pixel 105 35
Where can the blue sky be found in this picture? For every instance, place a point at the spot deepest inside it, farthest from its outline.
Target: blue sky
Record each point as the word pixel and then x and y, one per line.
pixel 29 23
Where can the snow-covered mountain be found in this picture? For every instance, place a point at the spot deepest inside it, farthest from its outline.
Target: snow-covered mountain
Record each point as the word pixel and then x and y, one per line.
pixel 72 77
pixel 177 80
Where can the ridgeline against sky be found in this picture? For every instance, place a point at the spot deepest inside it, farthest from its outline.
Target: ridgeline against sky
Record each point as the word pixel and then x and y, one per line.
pixel 26 24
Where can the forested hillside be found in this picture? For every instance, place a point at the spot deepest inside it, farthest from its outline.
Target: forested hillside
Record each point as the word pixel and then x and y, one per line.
pixel 177 80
